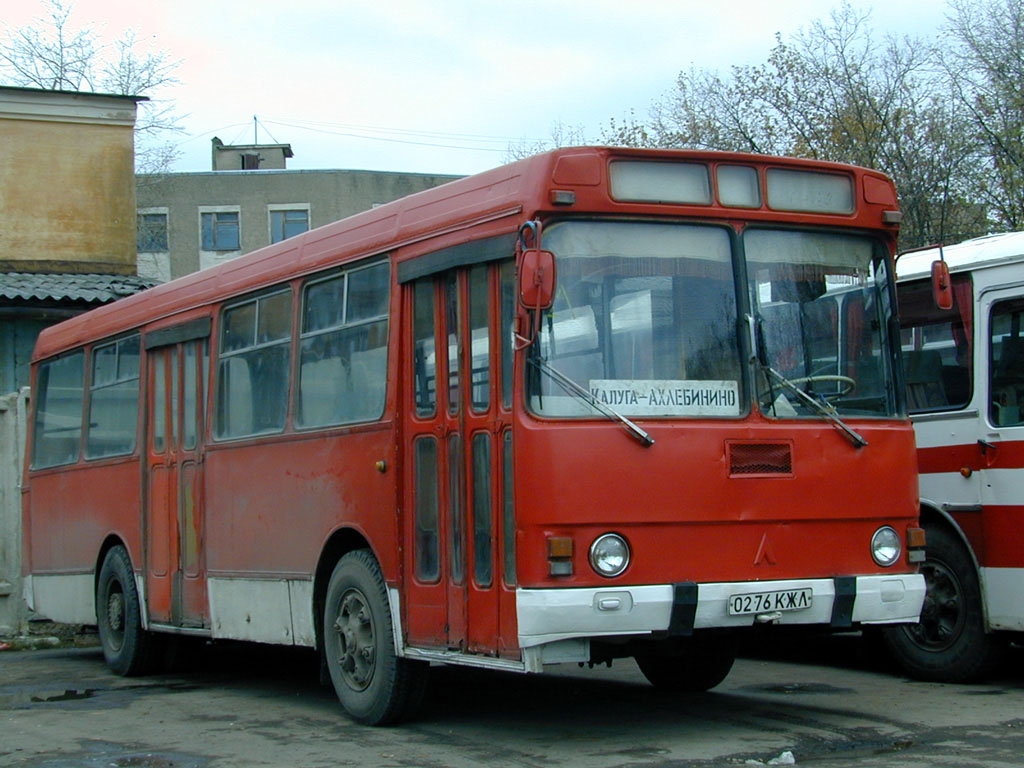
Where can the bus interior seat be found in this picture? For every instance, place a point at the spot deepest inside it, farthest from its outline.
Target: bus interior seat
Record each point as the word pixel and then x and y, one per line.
pixel 1008 382
pixel 956 381
pixel 924 380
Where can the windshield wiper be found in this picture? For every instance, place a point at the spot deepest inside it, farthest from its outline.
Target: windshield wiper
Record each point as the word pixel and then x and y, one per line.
pixel 824 408
pixel 580 393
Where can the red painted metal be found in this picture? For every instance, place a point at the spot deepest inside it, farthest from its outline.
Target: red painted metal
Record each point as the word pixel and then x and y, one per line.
pixel 271 503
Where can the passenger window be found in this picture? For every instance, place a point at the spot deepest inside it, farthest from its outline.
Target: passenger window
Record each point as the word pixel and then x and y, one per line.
pixel 509 509
pixel 453 332
pixel 456 510
pixel 113 399
pixel 58 412
pixel 508 313
pixel 480 337
pixel 483 559
pixel 427 543
pixel 343 348
pixel 252 384
pixel 424 361
pixel 937 346
pixel 1006 367
pixel 195 366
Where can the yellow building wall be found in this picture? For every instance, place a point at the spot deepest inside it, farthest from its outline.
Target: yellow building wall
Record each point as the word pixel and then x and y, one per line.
pixel 67 197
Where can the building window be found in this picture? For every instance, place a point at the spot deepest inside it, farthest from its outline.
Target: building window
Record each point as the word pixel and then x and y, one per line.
pixel 151 234
pixel 288 222
pixel 220 231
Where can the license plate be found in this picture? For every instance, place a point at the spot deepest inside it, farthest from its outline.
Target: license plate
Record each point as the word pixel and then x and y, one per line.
pixel 768 602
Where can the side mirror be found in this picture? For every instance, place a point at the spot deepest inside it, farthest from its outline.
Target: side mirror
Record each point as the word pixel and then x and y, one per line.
pixel 942 288
pixel 537 279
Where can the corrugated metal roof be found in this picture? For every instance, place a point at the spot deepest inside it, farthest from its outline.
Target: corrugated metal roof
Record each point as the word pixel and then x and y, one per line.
pixel 92 288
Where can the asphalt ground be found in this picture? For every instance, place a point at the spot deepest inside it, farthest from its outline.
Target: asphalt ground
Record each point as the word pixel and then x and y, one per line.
pixel 813 700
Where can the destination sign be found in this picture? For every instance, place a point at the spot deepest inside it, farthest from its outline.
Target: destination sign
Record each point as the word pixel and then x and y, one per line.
pixel 658 397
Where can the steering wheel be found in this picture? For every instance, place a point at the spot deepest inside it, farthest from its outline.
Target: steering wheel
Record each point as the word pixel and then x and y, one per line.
pixel 848 384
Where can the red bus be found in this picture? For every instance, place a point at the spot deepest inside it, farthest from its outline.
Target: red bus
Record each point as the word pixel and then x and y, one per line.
pixel 595 404
pixel 965 381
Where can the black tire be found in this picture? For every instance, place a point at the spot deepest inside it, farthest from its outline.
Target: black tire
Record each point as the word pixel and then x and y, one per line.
pixel 374 685
pixel 128 649
pixel 950 643
pixel 700 664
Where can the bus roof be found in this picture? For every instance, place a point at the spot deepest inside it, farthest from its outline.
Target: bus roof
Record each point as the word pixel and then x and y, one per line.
pixel 443 215
pixel 980 252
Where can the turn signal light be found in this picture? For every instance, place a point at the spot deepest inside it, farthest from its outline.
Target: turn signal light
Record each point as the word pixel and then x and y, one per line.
pixel 915 537
pixel 560 550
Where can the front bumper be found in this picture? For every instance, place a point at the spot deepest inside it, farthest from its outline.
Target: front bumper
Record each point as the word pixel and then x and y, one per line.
pixel 551 615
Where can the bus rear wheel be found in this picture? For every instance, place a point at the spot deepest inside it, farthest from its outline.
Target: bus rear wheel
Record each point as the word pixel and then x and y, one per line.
pixel 373 684
pixel 698 664
pixel 127 647
pixel 950 643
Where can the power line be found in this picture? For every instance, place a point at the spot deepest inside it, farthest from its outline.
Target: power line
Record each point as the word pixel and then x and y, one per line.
pixel 423 138
pixel 348 127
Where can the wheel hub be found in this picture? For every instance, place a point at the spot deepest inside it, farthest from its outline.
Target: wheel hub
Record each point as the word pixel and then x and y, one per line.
pixel 942 615
pixel 356 640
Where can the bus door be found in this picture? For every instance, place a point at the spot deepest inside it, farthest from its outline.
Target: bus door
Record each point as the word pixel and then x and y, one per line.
pixel 1002 457
pixel 456 433
pixel 175 569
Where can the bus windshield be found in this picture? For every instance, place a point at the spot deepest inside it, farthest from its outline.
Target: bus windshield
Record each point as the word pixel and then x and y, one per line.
pixel 644 319
pixel 821 303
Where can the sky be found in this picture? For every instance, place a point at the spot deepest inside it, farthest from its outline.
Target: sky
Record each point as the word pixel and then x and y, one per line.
pixel 437 87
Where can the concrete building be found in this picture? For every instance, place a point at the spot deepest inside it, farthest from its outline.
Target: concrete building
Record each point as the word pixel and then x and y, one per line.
pixel 249 157
pixel 67 244
pixel 190 221
pixel 66 198
pixel 67 213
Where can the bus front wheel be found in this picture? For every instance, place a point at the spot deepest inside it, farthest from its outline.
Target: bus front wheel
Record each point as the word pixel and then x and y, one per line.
pixel 700 664
pixel 374 685
pixel 950 643
pixel 127 647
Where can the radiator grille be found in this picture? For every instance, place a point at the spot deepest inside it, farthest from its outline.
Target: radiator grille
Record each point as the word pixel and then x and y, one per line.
pixel 760 458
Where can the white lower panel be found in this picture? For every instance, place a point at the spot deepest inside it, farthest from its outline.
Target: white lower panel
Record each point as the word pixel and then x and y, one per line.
pixel 65 598
pixel 275 611
pixel 1003 590
pixel 549 615
pixel 300 593
pixel 889 599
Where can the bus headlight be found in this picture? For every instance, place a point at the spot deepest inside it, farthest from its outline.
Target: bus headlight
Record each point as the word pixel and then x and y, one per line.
pixel 609 555
pixel 885 546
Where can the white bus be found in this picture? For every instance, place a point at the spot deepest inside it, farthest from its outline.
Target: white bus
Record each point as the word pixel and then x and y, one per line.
pixel 965 389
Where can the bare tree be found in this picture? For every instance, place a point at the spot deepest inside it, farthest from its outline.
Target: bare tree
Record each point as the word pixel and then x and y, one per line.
pixel 836 93
pixel 561 136
pixel 985 66
pixel 52 54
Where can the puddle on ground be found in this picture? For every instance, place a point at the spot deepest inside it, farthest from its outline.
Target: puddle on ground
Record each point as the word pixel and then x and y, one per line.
pixel 797 688
pixel 67 695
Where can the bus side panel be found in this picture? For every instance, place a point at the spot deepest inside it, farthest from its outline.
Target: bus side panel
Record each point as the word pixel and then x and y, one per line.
pixel 271 505
pixel 71 512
